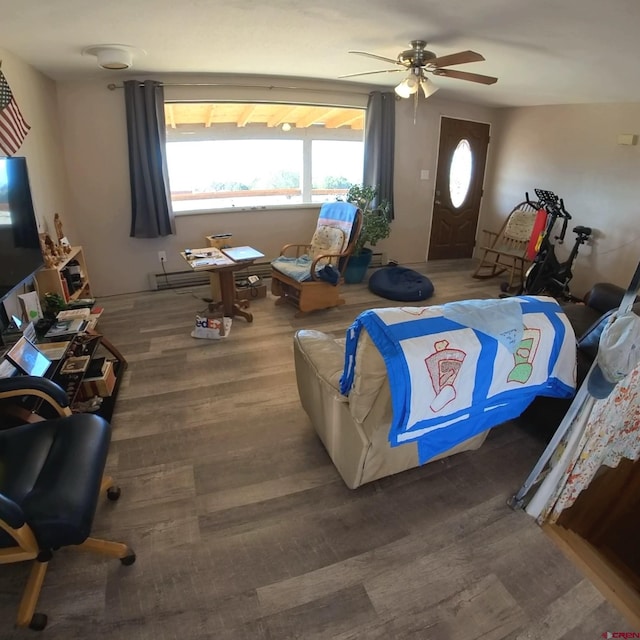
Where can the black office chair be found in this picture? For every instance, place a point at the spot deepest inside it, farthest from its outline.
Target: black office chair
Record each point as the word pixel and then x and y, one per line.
pixel 51 474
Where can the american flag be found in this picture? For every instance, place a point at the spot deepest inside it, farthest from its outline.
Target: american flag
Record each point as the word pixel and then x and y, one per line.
pixel 13 128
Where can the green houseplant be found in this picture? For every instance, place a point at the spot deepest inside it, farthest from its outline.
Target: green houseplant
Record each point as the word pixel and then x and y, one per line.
pixel 376 226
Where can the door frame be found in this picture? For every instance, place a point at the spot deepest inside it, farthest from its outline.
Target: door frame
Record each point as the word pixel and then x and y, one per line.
pixel 435 173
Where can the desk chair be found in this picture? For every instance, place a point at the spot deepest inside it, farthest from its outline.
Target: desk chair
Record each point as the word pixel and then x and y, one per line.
pixel 295 275
pixel 51 474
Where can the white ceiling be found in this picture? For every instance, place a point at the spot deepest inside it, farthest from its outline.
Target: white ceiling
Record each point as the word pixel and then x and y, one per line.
pixel 542 51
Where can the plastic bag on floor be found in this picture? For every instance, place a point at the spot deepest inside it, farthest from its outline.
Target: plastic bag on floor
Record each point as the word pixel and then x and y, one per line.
pixel 211 328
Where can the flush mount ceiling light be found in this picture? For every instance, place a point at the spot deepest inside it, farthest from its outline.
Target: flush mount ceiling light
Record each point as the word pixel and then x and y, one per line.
pixel 114 57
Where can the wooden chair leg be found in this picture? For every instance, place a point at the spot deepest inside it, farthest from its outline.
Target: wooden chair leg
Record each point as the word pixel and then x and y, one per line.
pixel 31 593
pixel 107 548
pixel 107 481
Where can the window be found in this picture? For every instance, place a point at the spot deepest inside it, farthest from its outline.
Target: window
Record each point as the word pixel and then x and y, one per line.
pixel 227 155
pixel 460 173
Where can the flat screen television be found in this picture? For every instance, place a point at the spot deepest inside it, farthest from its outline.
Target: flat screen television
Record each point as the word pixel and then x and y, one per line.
pixel 20 253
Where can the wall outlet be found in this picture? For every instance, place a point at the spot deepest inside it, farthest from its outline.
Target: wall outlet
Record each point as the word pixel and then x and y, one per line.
pixel 162 256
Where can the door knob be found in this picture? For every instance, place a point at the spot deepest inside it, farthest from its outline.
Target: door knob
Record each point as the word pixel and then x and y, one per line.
pixel 437 201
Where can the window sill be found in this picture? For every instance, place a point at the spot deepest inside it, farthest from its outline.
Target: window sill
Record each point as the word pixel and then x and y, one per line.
pixel 280 207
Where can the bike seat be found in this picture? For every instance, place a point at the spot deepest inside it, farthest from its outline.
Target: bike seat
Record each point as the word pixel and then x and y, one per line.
pixel 583 231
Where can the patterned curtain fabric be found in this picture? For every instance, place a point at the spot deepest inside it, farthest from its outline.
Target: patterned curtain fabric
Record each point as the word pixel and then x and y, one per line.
pixel 604 432
pixel 151 213
pixel 379 145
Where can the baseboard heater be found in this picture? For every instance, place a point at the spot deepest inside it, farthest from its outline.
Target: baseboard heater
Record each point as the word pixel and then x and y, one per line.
pixel 177 279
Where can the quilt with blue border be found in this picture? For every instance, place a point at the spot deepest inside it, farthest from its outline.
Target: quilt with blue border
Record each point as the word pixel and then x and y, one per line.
pixel 450 380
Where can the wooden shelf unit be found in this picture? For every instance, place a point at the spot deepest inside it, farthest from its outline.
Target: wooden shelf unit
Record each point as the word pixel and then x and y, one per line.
pixel 52 280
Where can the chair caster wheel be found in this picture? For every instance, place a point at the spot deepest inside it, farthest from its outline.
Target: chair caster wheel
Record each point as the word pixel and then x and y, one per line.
pixel 128 560
pixel 113 493
pixel 38 622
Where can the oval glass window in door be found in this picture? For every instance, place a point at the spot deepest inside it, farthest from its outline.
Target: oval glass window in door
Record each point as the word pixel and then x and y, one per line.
pixel 460 173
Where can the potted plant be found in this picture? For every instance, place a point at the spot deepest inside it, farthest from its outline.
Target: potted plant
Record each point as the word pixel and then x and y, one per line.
pixel 376 226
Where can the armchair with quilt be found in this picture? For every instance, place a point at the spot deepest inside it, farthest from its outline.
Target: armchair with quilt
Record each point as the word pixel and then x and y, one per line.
pixel 412 385
pixel 51 475
pixel 309 276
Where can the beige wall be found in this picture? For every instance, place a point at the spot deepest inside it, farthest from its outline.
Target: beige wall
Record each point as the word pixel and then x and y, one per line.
pixel 569 149
pixel 93 123
pixel 417 149
pixel 35 95
pixel 573 151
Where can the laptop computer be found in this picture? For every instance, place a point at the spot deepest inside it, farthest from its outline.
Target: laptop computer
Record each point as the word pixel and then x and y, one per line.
pixel 27 358
pixel 239 254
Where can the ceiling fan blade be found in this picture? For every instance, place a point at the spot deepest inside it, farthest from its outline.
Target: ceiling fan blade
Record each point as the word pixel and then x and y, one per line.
pixel 368 73
pixel 373 55
pixel 461 57
pixel 465 75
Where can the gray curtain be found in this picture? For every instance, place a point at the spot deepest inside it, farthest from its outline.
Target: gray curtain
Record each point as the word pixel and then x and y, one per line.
pixel 151 214
pixel 379 140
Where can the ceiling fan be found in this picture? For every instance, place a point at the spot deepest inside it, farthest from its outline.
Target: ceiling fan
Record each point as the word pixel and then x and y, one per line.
pixel 419 61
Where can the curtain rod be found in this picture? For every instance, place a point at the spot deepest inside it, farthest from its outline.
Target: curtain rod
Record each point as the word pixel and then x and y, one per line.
pixel 113 87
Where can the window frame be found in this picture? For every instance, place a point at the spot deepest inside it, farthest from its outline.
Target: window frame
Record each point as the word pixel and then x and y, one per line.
pixel 197 132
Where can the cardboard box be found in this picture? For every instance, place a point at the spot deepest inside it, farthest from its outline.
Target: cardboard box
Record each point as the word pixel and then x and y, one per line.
pixel 251 293
pixel 100 386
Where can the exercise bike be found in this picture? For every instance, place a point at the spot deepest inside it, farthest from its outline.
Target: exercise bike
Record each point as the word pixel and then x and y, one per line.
pixel 547 275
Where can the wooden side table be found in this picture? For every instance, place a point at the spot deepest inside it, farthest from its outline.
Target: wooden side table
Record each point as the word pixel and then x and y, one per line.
pixel 213 260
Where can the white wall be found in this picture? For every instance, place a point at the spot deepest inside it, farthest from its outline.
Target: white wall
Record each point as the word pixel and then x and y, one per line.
pixel 573 151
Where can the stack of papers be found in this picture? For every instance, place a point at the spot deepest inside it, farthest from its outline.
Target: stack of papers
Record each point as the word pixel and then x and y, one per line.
pixel 66 327
pixel 72 314
pixel 207 258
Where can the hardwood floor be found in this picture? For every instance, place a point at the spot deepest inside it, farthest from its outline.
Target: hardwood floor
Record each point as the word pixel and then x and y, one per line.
pixel 244 529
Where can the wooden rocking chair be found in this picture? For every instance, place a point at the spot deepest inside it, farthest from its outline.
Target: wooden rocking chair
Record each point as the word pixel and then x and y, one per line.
pixel 315 293
pixel 506 250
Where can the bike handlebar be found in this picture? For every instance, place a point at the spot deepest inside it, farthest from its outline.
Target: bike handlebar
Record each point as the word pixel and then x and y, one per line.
pixel 554 206
pixel 550 202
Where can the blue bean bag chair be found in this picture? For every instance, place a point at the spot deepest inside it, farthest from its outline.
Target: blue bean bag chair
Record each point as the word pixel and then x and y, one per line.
pixel 400 283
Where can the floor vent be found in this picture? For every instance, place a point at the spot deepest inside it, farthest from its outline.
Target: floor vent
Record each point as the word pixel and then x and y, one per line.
pixel 177 279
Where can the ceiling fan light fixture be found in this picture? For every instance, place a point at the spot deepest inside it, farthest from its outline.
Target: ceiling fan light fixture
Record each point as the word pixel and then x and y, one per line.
pixel 407 87
pixel 428 87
